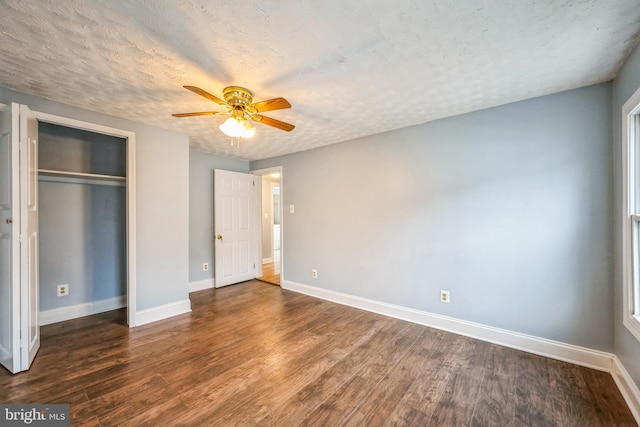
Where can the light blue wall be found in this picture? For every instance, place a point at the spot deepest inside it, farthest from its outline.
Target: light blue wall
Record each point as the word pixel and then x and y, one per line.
pixel 82 227
pixel 508 208
pixel 75 150
pixel 162 201
pixel 201 166
pixel 82 243
pixel 627 348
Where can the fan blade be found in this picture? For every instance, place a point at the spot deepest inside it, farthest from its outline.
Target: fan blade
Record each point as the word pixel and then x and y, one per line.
pixel 202 113
pixel 271 104
pixel 205 94
pixel 272 122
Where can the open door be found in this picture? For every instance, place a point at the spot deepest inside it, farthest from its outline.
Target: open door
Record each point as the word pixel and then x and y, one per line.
pixel 19 329
pixel 236 227
pixel 9 238
pixel 29 290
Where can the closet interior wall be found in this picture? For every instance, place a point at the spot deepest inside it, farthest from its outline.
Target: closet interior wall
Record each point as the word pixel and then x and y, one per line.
pixel 82 202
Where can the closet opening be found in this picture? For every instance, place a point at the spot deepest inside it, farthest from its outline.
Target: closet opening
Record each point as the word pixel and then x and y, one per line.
pixel 86 219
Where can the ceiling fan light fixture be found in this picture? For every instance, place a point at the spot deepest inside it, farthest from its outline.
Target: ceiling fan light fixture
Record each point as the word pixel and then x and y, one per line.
pixel 238 102
pixel 248 129
pixel 238 128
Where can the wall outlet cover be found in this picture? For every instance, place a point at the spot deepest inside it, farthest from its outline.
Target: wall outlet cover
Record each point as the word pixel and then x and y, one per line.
pixel 445 297
pixel 62 290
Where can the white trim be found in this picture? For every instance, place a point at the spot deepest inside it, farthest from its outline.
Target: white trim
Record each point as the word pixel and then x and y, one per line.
pixel 267 260
pixel 131 196
pixel 109 304
pixel 61 314
pixel 163 312
pixel 201 285
pixel 556 350
pixel 80 124
pixel 257 227
pixel 630 272
pixel 627 387
pixel 131 231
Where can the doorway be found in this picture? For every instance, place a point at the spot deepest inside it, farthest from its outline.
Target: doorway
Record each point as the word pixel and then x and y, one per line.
pixel 271 221
pixel 105 181
pixel 81 216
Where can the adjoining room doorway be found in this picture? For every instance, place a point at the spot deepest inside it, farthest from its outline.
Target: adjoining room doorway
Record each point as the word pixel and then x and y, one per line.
pixel 271 221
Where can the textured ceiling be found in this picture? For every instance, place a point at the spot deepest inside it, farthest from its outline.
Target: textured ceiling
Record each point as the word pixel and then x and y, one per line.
pixel 350 68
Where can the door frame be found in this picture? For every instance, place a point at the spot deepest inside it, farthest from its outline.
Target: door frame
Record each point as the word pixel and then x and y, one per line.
pixel 268 171
pixel 130 138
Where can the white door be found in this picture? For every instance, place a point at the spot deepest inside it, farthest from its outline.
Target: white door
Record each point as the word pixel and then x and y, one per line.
pixel 9 238
pixel 29 295
pixel 236 227
pixel 19 305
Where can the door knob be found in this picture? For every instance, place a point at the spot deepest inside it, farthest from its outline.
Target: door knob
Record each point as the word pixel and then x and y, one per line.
pixel 8 221
pixel 219 237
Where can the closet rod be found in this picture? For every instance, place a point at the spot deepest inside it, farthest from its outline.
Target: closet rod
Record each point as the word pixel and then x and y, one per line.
pixel 80 177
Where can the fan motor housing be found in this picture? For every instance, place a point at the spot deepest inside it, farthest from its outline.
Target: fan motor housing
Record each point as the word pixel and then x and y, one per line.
pixel 237 96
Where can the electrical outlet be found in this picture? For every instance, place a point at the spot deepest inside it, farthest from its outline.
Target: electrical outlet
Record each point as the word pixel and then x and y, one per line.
pixel 314 273
pixel 205 266
pixel 63 290
pixel 444 297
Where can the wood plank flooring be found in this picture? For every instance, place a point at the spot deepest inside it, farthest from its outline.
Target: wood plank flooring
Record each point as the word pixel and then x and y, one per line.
pixel 257 355
pixel 271 273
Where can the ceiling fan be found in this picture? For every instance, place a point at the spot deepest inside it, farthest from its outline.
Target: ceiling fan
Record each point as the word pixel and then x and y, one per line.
pixel 238 102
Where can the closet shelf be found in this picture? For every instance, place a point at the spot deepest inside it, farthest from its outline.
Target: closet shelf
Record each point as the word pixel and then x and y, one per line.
pixel 80 177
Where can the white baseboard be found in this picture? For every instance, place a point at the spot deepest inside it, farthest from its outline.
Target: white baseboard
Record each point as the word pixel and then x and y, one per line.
pixel 201 285
pixel 627 387
pixel 162 312
pixel 267 260
pixel 61 314
pixel 554 349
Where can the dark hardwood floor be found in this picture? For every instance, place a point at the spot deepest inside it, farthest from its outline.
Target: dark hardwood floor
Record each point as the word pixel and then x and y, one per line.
pixel 254 354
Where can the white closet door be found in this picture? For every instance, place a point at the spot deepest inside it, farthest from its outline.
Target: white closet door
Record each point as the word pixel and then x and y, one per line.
pixel 19 305
pixel 29 275
pixel 9 238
